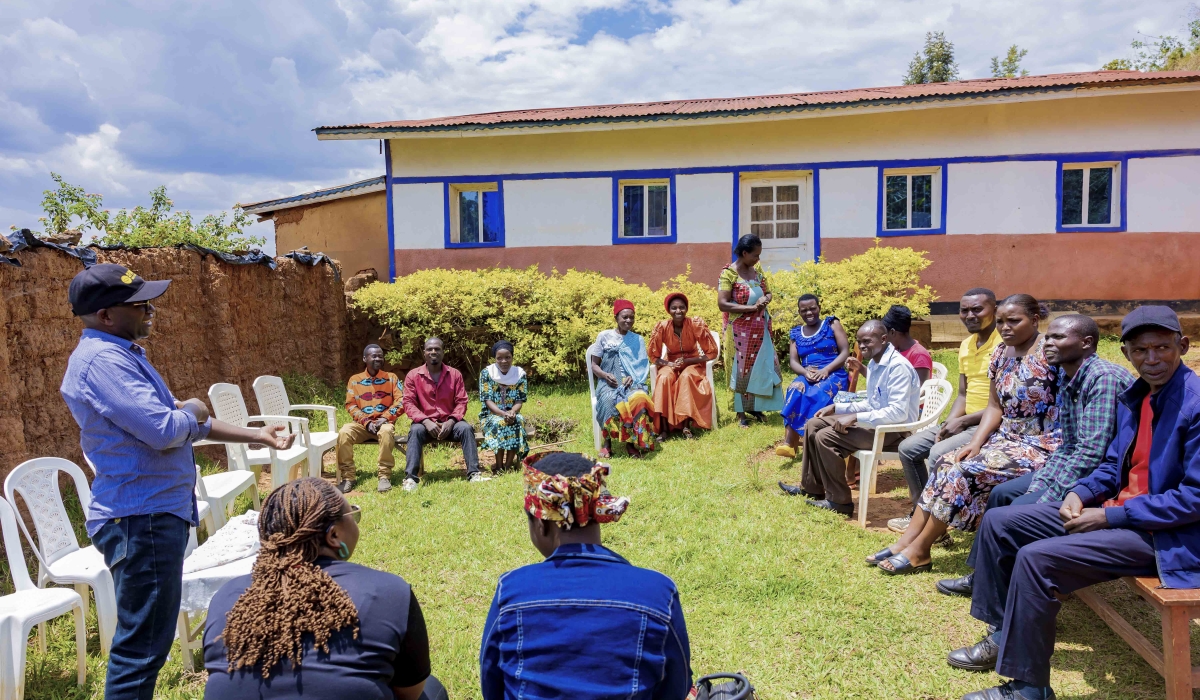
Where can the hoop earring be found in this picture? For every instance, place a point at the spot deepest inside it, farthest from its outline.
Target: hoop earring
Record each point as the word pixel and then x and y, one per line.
pixel 343 551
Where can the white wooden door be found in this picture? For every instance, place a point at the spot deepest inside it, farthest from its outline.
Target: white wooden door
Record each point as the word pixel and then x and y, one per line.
pixel 778 209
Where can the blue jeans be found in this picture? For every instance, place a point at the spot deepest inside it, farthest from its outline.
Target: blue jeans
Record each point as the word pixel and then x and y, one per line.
pixel 145 555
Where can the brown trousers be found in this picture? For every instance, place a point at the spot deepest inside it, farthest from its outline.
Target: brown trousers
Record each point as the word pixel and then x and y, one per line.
pixel 353 434
pixel 823 466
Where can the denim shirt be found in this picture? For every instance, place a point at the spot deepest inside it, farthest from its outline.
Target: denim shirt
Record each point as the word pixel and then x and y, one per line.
pixel 585 624
pixel 131 432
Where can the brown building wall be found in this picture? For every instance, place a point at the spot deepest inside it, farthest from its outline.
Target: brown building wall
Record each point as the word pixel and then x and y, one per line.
pixel 1111 266
pixel 216 323
pixel 352 230
pixel 646 263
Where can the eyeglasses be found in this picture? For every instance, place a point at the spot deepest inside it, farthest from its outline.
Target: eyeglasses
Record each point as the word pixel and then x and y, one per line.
pixel 355 512
pixel 142 305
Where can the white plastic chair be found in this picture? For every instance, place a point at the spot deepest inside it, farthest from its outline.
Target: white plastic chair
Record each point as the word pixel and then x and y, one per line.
pixel 218 492
pixel 229 406
pixel 273 400
pixel 592 394
pixel 60 559
pixel 708 374
pixel 939 371
pixel 27 607
pixel 936 394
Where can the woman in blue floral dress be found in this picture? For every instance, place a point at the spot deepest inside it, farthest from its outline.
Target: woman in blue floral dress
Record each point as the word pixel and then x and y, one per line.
pixel 817 355
pixel 1018 432
pixel 503 390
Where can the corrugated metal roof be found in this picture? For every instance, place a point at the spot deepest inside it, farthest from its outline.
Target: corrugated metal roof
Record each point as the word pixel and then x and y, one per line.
pixel 732 106
pixel 353 189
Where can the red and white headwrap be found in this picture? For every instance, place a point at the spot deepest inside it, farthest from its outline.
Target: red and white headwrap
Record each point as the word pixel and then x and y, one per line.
pixel 570 501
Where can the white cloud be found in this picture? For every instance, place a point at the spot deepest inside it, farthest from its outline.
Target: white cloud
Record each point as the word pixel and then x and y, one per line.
pixel 217 101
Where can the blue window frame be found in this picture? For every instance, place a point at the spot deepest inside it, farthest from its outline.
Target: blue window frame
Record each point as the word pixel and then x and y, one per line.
pixel 474 214
pixel 644 209
pixel 912 200
pixel 1091 196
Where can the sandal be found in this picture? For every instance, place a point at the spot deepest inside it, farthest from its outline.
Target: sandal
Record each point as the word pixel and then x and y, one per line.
pixel 901 566
pixel 758 416
pixel 687 434
pixel 879 556
pixel 604 453
pixel 743 423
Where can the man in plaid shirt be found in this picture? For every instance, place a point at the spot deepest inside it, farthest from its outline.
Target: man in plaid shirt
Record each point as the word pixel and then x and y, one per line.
pixel 1088 414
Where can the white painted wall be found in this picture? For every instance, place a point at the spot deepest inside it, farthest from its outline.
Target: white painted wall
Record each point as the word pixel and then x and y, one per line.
pixel 1162 194
pixel 704 208
pixel 848 206
pixel 558 212
pixel 1005 197
pixel 418 215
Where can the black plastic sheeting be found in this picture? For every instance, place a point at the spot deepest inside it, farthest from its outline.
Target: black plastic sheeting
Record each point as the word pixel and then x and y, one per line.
pixel 24 239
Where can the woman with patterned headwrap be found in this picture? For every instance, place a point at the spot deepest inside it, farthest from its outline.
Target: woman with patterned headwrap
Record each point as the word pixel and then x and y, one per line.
pixel 682 397
pixel 584 624
pixel 622 370
pixel 503 390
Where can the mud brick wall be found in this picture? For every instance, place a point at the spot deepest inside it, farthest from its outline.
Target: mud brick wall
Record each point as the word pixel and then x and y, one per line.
pixel 216 323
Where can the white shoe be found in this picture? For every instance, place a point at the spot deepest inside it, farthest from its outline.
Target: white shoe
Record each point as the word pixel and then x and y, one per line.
pixel 477 477
pixel 899 524
pixel 409 485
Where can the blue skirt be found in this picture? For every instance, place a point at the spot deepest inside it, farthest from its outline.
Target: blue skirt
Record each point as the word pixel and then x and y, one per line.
pixel 803 400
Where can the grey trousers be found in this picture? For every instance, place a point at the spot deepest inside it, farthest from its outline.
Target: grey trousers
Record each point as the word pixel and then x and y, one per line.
pixel 919 451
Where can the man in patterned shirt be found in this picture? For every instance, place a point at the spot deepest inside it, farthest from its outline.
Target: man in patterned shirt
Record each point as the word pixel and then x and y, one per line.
pixel 373 400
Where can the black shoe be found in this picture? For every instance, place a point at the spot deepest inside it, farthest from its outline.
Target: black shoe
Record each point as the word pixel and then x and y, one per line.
pixel 345 486
pixel 1005 691
pixel 795 490
pixel 839 508
pixel 758 416
pixel 977 657
pixel 957 586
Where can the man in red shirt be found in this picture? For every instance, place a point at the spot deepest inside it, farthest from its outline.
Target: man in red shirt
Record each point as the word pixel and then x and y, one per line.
pixel 435 400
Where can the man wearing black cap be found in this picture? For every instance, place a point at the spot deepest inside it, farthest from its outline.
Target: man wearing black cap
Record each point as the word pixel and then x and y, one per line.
pixel 139 439
pixel 1137 514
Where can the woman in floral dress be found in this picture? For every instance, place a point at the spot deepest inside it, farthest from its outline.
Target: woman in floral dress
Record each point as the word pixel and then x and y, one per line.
pixel 742 297
pixel 619 362
pixel 1018 432
pixel 503 390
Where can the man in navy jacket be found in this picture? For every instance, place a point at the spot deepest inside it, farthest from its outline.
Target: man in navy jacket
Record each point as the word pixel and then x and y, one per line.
pixel 1137 514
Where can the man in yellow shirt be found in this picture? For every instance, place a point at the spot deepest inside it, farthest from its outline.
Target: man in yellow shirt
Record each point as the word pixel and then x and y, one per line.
pixel 373 400
pixel 977 311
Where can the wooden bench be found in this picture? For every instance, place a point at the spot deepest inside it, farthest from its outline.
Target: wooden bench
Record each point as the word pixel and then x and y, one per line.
pixel 1178 608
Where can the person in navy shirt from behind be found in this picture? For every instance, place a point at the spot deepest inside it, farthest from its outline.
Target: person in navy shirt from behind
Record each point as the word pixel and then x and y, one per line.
pixel 584 623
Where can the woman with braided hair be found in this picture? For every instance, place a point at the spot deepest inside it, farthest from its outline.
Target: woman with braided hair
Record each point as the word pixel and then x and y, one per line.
pixel 584 624
pixel 306 622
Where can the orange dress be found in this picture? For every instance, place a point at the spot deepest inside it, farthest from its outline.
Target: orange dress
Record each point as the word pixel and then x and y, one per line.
pixel 680 394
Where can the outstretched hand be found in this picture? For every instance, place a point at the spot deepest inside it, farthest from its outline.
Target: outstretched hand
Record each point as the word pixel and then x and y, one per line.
pixel 274 436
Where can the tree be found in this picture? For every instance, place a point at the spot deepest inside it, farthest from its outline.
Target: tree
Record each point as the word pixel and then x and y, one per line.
pixel 157 225
pixel 1010 67
pixel 1163 53
pixel 935 64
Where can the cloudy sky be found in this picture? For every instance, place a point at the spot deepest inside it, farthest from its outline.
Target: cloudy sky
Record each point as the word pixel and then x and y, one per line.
pixel 217 98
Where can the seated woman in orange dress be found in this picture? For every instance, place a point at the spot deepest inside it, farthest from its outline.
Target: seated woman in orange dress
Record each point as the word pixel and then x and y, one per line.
pixel 682 396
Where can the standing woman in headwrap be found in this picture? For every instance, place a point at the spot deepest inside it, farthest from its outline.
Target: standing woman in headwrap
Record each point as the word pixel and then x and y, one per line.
pixel 503 390
pixel 750 360
pixel 584 624
pixel 682 397
pixel 622 370
pixel 308 623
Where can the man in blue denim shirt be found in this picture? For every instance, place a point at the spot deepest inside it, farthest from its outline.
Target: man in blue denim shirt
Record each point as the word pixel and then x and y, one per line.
pixel 585 623
pixel 139 439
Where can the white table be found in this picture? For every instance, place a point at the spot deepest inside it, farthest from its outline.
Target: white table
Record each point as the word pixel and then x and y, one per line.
pixel 199 587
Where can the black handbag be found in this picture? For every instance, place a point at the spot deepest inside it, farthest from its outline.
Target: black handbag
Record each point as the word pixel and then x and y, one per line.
pixel 735 687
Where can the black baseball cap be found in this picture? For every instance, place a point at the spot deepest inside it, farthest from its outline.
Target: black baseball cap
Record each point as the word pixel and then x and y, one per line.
pixel 1149 316
pixel 105 285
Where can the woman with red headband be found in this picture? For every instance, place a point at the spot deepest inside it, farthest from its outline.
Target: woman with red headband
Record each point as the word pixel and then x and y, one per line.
pixel 622 368
pixel 682 397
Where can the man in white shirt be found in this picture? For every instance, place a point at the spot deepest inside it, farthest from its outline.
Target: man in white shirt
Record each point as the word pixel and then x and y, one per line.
pixel 837 431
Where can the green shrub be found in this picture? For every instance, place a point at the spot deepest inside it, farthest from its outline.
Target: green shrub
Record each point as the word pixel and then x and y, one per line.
pixel 551 319
pixel 856 289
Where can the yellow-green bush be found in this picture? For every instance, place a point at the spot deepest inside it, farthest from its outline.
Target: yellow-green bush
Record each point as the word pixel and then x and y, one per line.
pixel 856 289
pixel 551 319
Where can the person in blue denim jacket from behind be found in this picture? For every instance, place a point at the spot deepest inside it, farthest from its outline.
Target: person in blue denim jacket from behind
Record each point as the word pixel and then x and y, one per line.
pixel 584 623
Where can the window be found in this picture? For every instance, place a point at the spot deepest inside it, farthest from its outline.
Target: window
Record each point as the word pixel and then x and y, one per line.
pixel 476 214
pixel 1087 195
pixel 912 199
pixel 775 211
pixel 776 206
pixel 645 208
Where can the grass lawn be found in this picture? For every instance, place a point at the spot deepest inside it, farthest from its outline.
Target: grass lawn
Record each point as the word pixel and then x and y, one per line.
pixel 769 586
